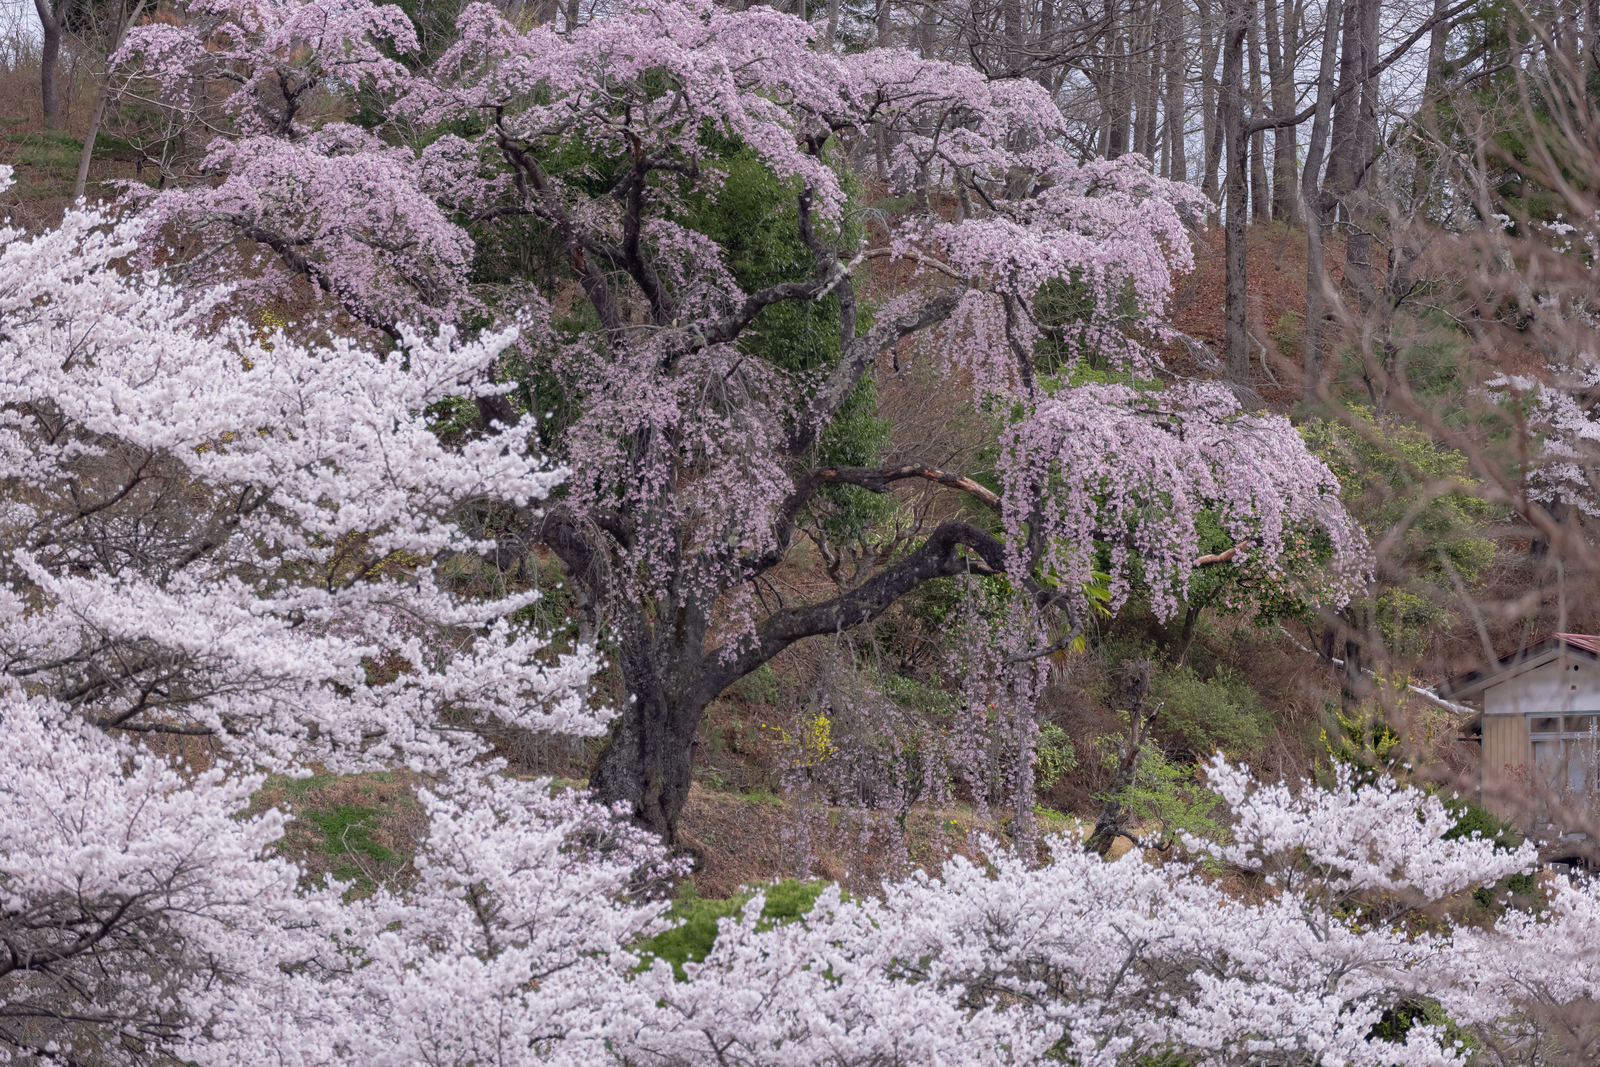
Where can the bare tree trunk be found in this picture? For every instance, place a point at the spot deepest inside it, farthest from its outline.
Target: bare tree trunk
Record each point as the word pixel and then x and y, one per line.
pixel 1149 82
pixel 1314 201
pixel 1121 100
pixel 1011 31
pixel 1172 26
pixel 1358 248
pixel 124 18
pixel 1283 44
pixel 1136 687
pixel 1341 177
pixel 50 20
pixel 1047 33
pixel 1260 197
pixel 1427 114
pixel 87 152
pixel 1236 18
pixel 1209 112
pixel 1591 51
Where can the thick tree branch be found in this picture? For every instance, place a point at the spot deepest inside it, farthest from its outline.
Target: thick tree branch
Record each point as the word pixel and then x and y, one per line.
pixel 879 479
pixel 859 354
pixel 940 556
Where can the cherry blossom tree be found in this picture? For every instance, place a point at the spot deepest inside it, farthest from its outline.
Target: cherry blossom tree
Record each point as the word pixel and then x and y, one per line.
pixel 221 558
pixel 145 918
pixel 694 448
pixel 215 534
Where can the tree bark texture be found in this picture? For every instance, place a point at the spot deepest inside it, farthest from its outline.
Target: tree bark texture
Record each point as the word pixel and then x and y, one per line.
pixel 51 18
pixel 1235 24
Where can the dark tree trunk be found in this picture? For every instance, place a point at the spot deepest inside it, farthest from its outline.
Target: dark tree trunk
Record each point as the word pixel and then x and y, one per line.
pixel 1315 204
pixel 1282 45
pixel 1172 25
pixel 1236 21
pixel 50 20
pixel 1340 180
pixel 1121 100
pixel 1210 113
pixel 1147 126
pixel 670 678
pixel 1260 196
pixel 1113 815
pixel 1178 644
pixel 648 758
pixel 1364 152
pixel 1591 38
pixel 1427 115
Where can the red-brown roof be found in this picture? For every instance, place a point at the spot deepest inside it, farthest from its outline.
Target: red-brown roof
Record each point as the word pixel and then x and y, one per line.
pixel 1588 642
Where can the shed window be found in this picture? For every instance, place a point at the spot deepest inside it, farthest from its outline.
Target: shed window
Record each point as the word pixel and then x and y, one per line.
pixel 1566 752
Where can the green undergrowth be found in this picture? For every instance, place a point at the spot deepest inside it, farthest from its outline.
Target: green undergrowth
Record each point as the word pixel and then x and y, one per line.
pixel 696 917
pixel 46 162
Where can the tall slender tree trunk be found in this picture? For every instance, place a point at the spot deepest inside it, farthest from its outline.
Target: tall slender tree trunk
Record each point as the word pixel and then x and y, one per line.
pixel 1359 208
pixel 1046 42
pixel 1427 115
pixel 1315 204
pixel 1591 39
pixel 1283 44
pixel 1011 35
pixel 1121 100
pixel 1148 125
pixel 123 19
pixel 1340 180
pixel 1175 133
pixel 1260 197
pixel 1211 116
pixel 50 20
pixel 1236 19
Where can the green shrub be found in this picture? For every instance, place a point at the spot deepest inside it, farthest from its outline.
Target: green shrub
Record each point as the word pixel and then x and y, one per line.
pixel 1053 756
pixel 1475 819
pixel 1170 795
pixel 1202 715
pixel 760 686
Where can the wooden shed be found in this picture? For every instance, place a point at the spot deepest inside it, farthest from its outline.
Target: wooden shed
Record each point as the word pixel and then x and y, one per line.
pixel 1540 720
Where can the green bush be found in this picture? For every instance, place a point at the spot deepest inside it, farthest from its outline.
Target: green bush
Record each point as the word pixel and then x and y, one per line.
pixel 1170 795
pixel 1053 756
pixel 1474 819
pixel 1202 715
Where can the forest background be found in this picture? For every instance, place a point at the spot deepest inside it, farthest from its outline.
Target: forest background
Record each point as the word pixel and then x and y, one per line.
pixel 1342 145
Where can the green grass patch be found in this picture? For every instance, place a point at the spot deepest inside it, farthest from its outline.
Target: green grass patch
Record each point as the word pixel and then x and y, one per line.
pixel 347 832
pixel 696 918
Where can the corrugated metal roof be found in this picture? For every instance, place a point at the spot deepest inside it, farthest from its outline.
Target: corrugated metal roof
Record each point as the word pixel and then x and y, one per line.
pixel 1588 642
